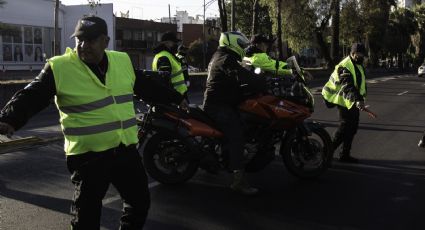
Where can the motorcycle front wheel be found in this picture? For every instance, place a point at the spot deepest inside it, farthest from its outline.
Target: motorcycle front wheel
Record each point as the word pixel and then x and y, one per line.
pixel 166 159
pixel 307 159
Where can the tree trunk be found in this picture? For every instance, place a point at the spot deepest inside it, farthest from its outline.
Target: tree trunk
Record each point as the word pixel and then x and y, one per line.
pixel 279 29
pixel 323 48
pixel 335 32
pixel 255 9
pixel 223 15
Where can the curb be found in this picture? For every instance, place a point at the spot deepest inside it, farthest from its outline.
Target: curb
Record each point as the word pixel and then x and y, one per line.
pixel 26 143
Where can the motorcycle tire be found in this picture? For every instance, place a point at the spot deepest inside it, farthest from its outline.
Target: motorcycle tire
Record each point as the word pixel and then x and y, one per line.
pixel 166 159
pixel 306 165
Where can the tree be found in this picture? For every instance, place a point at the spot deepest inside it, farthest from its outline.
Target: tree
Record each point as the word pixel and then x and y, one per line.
pixel 376 16
pixel 351 24
pixel 223 14
pixel 335 11
pixel 195 52
pixel 255 9
pixel 418 39
pixel 262 17
pixel 400 28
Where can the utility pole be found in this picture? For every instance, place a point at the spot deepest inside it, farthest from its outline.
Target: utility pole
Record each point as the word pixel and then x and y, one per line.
pixel 169 13
pixel 233 15
pixel 204 53
pixel 56 48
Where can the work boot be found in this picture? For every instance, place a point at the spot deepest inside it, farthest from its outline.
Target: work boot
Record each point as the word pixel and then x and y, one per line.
pixel 348 159
pixel 240 184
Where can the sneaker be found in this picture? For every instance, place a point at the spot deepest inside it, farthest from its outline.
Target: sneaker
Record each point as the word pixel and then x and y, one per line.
pixel 348 159
pixel 240 184
pixel 421 143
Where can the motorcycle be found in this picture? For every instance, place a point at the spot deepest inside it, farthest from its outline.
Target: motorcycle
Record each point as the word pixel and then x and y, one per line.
pixel 175 143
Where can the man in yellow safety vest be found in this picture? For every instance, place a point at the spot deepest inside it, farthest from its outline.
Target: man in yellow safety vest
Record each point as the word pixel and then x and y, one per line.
pixel 93 90
pixel 346 89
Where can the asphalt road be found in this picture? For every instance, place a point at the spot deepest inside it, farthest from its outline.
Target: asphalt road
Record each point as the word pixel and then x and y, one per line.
pixel 385 191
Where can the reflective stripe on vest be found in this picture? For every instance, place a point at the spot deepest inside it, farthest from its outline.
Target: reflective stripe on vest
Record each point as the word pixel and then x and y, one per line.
pixel 177 77
pixel 88 130
pixel 95 116
pixel 97 104
pixel 334 91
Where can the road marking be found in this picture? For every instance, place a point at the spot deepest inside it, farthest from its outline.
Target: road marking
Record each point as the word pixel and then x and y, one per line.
pixel 402 93
pixel 423 85
pixel 117 197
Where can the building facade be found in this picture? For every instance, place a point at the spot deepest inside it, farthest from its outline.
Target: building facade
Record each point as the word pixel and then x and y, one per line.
pixel 139 37
pixel 182 17
pixel 27 31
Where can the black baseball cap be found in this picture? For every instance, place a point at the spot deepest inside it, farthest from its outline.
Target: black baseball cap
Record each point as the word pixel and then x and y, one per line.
pixel 90 27
pixel 259 38
pixel 359 48
pixel 170 36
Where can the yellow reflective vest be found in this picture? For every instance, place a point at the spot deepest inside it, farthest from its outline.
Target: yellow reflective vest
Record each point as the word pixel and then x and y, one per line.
pixel 94 116
pixel 334 91
pixel 266 63
pixel 177 76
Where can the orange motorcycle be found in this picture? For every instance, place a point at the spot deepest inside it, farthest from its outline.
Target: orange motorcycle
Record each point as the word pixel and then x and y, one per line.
pixel 175 143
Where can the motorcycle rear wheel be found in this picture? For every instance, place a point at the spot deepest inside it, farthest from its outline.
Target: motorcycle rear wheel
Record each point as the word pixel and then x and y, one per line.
pixel 306 164
pixel 166 159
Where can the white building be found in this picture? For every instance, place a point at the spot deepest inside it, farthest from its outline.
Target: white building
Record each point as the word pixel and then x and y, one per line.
pixel 182 17
pixel 27 31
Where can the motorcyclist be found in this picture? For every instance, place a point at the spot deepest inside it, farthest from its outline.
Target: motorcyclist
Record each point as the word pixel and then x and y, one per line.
pixel 256 55
pixel 222 96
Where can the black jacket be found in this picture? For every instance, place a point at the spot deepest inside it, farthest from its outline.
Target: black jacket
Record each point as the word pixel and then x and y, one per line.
pixel 225 77
pixel 37 95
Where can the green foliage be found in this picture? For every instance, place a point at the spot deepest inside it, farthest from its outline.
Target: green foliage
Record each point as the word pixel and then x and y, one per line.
pixel 351 23
pixel 400 27
pixel 418 39
pixel 244 16
pixel 195 52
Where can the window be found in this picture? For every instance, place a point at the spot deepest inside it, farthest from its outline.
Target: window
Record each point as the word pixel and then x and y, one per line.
pixel 126 35
pixel 138 35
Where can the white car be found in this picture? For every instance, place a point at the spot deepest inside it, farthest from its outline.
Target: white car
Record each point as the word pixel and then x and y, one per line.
pixel 421 70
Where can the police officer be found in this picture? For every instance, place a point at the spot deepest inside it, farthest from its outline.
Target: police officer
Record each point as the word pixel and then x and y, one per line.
pixel 93 90
pixel 346 89
pixel 222 96
pixel 165 60
pixel 256 55
pixel 181 55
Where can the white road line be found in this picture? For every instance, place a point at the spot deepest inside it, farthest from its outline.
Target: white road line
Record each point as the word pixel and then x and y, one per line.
pixel 402 93
pixel 117 197
pixel 423 85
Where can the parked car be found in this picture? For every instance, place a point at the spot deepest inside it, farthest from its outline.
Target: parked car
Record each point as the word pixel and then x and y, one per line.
pixel 421 70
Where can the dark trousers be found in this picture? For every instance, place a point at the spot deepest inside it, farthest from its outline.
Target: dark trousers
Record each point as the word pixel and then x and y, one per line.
pixel 93 172
pixel 229 122
pixel 349 123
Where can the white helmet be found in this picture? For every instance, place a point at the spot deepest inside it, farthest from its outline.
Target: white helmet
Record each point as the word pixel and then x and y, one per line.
pixel 235 41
